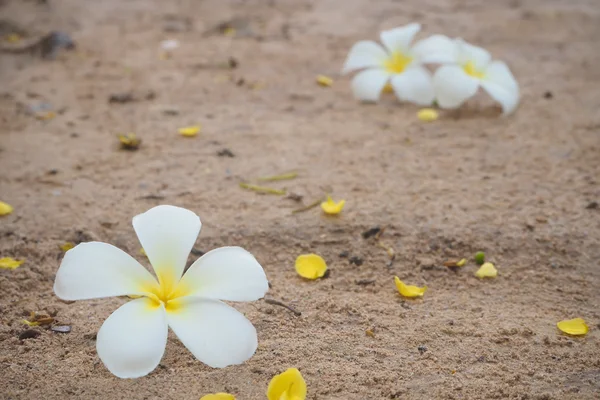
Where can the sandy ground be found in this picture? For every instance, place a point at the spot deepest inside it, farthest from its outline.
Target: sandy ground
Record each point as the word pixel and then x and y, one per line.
pixel 522 189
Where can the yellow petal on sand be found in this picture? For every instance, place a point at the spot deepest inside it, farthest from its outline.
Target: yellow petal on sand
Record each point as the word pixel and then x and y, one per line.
pixel 388 88
pixel 324 80
pixel 575 326
pixel 67 246
pixel 129 141
pixel 461 262
pixel 5 208
pixel 289 385
pixel 189 131
pixel 427 114
pixel 330 207
pixel 487 270
pixel 310 266
pixel 10 263
pixel 29 323
pixel 218 396
pixel 409 290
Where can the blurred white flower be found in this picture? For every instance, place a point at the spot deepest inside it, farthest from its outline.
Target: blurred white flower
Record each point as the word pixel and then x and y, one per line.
pixel 470 68
pixel 398 63
pixel 132 340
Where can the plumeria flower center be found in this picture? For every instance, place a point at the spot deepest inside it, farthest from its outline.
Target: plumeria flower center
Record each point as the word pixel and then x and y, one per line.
pixel 397 62
pixel 471 70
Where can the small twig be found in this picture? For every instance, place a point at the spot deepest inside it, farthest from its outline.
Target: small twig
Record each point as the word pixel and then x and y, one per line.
pixel 262 189
pixel 308 207
pixel 282 177
pixel 280 304
pixel 365 282
pixel 151 197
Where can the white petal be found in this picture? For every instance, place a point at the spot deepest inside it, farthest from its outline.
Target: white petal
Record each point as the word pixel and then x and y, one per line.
pixel 227 273
pixel 215 333
pixel 500 83
pixel 367 85
pixel 414 85
pixel 479 56
pixel 364 54
pixel 95 269
pixel 132 340
pixel 453 86
pixel 167 234
pixel 435 49
pixel 399 39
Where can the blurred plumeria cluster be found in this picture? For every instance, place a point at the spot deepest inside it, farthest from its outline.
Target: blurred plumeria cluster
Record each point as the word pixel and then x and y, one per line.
pixel 401 66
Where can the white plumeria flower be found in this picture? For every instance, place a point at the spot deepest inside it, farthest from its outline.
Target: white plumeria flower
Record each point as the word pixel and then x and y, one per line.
pixel 132 340
pixel 399 64
pixel 473 67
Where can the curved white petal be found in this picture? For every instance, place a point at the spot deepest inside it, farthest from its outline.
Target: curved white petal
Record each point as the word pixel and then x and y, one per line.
pixel 436 49
pixel 399 39
pixel 95 269
pixel 214 332
pixel 500 83
pixel 368 84
pixel 364 54
pixel 226 273
pixel 479 56
pixel 167 234
pixel 132 340
pixel 414 85
pixel 453 86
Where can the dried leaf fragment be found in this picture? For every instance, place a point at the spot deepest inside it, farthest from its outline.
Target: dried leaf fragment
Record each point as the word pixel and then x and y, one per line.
pixel 129 141
pixel 575 326
pixel 10 263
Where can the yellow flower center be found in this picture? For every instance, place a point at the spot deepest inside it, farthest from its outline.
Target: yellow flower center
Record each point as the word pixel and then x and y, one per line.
pixel 166 292
pixel 397 63
pixel 471 70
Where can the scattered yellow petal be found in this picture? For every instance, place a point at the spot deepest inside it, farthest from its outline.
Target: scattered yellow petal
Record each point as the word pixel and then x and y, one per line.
pixel 129 141
pixel 229 31
pixel 10 263
pixel 487 270
pixel 427 114
pixel 409 290
pixel 29 323
pixel 310 266
pixel 143 252
pixel 67 246
pixel 324 80
pixel 13 38
pixel 575 327
pixel 5 208
pixel 331 207
pixel 461 263
pixel 218 396
pixel 289 385
pixel 189 131
pixel 388 88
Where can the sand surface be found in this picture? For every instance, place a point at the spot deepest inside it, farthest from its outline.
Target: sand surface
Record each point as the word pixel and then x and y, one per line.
pixel 521 188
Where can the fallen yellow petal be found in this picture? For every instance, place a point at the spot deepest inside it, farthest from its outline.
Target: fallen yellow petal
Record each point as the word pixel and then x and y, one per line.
pixel 388 88
pixel 67 246
pixel 487 270
pixel 129 141
pixel 427 114
pixel 289 385
pixel 310 266
pixel 5 208
pixel 218 396
pixel 575 326
pixel 29 323
pixel 10 263
pixel 461 262
pixel 324 80
pixel 409 290
pixel 331 207
pixel 189 131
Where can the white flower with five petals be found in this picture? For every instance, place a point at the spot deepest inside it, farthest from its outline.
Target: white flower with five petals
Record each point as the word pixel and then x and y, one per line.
pixel 132 340
pixel 399 64
pixel 470 68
